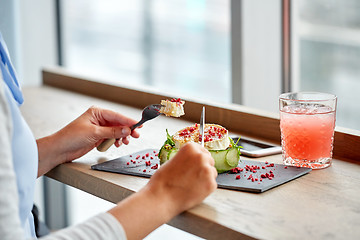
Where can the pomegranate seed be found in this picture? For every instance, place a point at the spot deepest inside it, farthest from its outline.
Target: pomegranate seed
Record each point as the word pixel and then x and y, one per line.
pixel 144 170
pixel 285 167
pixel 177 100
pixel 237 176
pixel 147 155
pixel 127 163
pixel 138 156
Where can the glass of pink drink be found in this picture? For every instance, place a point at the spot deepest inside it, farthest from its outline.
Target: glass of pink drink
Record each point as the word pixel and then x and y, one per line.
pixel 307 122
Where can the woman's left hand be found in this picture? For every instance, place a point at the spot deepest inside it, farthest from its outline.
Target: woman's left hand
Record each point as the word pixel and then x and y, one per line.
pixel 82 135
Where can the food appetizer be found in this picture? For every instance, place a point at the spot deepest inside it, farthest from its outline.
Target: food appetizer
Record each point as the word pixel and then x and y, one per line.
pixel 225 152
pixel 173 107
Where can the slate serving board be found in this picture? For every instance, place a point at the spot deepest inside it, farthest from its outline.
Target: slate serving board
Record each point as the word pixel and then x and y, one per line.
pixel 145 163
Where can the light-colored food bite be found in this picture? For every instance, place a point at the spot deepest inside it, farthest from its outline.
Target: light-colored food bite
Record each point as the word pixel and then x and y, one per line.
pixel 225 152
pixel 173 107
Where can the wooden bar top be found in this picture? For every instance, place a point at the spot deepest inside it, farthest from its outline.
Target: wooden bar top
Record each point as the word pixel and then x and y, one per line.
pixel 324 204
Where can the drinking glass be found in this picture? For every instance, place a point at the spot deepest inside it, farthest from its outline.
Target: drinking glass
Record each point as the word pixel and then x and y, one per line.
pixel 307 122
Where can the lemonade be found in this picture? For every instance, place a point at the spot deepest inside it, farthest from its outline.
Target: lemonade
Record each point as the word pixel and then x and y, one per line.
pixel 307 133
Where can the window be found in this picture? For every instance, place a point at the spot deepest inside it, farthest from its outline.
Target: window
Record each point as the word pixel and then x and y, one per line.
pixel 179 46
pixel 326 47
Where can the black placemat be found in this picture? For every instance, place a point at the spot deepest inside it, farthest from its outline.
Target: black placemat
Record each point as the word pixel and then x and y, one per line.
pixel 252 176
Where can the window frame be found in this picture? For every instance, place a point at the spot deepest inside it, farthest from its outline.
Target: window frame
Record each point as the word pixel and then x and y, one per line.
pixel 251 45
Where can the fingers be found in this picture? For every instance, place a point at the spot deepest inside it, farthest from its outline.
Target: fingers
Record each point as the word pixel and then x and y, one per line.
pixel 211 159
pixel 208 158
pixel 135 134
pixel 188 178
pixel 112 132
pixel 118 143
pixel 200 149
pixel 111 118
pixel 215 173
pixel 126 140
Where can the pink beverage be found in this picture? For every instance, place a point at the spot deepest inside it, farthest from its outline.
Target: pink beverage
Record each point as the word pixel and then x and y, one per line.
pixel 307 133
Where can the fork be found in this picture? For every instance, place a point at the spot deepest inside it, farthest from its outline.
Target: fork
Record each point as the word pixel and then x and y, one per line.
pixel 148 113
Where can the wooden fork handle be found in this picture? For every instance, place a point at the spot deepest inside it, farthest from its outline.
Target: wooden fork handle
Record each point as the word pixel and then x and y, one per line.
pixel 106 144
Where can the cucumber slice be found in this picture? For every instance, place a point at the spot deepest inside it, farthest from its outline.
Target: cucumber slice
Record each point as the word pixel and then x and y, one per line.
pixel 163 155
pixel 232 157
pixel 172 153
pixel 220 162
pixel 225 160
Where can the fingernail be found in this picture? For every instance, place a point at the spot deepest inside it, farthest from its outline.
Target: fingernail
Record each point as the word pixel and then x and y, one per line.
pixel 125 131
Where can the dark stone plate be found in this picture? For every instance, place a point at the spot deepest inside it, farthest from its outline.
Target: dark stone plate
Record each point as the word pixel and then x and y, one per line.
pixel 143 164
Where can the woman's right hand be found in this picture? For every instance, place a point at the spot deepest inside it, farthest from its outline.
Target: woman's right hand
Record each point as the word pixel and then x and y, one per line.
pixel 186 179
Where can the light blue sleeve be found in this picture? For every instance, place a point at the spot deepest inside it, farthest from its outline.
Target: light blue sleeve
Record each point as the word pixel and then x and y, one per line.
pixel 10 226
pixel 23 144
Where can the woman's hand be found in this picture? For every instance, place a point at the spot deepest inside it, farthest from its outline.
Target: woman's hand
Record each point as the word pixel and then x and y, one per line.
pixel 179 184
pixel 186 179
pixel 82 135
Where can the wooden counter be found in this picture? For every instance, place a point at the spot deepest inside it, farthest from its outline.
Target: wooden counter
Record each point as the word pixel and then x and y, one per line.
pixel 324 204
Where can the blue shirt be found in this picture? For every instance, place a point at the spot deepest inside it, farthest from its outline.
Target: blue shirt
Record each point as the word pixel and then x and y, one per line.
pixel 24 148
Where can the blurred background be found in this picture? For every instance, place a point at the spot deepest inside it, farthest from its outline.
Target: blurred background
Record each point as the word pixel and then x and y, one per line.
pixel 228 51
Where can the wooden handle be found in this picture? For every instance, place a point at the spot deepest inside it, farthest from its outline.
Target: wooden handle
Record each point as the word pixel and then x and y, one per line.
pixel 106 144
